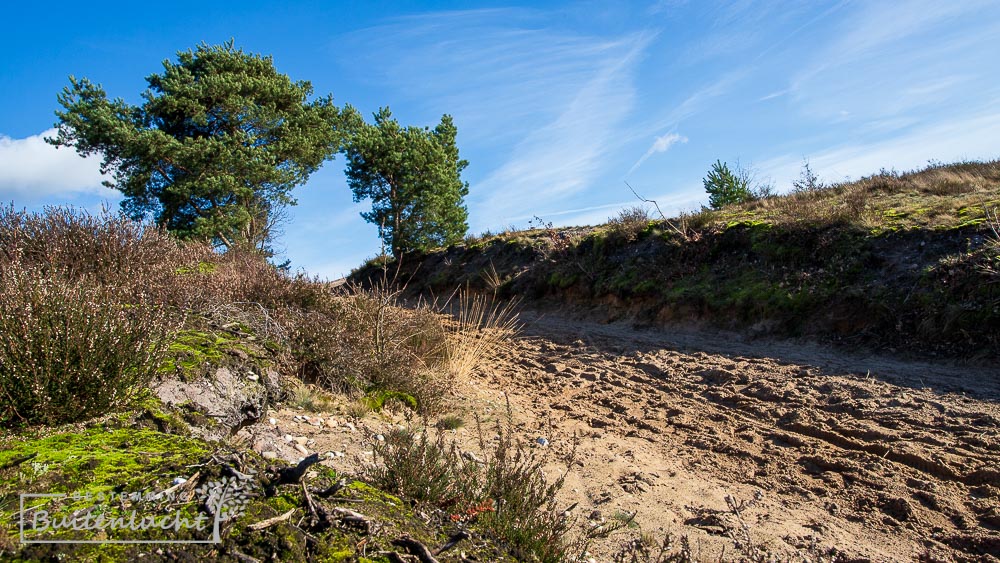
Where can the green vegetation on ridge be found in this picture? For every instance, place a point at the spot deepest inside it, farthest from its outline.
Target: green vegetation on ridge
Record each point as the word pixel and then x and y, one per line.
pixel 906 261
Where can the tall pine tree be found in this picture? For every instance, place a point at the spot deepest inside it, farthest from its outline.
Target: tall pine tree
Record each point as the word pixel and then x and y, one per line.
pixel 412 176
pixel 216 147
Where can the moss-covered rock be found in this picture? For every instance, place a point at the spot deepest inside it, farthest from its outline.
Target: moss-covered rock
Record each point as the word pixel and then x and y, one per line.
pixel 89 465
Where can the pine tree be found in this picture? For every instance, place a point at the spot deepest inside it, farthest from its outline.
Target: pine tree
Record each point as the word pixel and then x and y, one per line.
pixel 412 176
pixel 216 147
pixel 725 187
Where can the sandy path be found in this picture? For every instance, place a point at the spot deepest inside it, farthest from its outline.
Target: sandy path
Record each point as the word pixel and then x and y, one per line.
pixel 821 453
pixel 872 457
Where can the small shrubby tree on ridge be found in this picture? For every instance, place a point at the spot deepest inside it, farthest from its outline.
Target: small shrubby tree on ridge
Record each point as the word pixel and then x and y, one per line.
pixel 725 187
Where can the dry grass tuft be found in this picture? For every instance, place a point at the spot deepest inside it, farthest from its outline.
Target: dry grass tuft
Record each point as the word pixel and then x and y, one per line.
pixel 368 341
pixel 309 398
pixel 480 327
pixel 629 223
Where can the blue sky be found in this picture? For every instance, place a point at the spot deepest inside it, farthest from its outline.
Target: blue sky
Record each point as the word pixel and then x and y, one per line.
pixel 557 104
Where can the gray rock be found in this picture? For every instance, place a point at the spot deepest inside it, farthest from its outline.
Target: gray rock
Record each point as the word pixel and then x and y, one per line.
pixel 230 399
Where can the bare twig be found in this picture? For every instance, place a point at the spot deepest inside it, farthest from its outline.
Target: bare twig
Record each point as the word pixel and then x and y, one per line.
pixel 658 210
pixel 332 489
pixel 18 461
pixel 291 475
pixel 348 513
pixel 736 510
pixel 348 516
pixel 309 502
pixel 415 548
pixel 992 220
pixel 453 541
pixel 272 521
pixel 245 558
pixel 183 484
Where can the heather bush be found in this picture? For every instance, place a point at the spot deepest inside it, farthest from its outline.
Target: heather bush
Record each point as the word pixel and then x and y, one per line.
pixel 89 304
pixel 71 349
pixel 629 223
pixel 75 243
pixel 83 325
pixel 503 492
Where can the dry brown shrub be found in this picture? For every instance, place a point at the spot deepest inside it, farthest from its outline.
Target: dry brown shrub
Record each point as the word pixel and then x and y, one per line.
pixel 82 329
pixel 364 340
pixel 107 248
pixel 629 223
pixel 947 182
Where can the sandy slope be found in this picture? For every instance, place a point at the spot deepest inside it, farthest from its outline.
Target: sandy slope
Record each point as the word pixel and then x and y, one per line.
pixel 819 452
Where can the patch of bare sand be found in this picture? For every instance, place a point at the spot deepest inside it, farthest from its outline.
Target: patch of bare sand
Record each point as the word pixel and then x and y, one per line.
pixel 820 453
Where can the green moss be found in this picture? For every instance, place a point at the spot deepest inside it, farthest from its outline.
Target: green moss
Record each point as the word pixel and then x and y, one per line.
pixel 369 493
pixel 562 280
pixel 93 461
pixel 377 399
pixel 150 412
pixel 192 351
pixel 97 459
pixel 970 223
pixel 751 223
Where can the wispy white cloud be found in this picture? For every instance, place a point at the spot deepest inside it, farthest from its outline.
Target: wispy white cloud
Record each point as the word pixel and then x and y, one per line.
pixel 545 104
pixel 565 217
pixel 695 102
pixel 661 144
pixel 31 169
pixel 563 156
pixel 904 57
pixel 773 95
pixel 497 71
pixel 878 25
